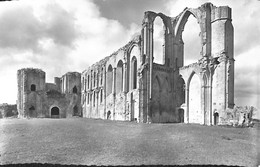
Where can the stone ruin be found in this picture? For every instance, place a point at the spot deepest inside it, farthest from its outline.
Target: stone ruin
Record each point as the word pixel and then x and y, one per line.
pixel 36 98
pixel 129 85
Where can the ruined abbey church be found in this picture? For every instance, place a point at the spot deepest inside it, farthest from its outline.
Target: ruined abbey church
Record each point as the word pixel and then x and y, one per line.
pixel 128 85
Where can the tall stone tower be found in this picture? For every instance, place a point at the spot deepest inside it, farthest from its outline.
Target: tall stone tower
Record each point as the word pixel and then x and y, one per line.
pixel 31 91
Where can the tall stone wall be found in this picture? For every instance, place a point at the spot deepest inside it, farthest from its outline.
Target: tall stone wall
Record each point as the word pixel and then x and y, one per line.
pixel 129 85
pixel 114 80
pixel 31 87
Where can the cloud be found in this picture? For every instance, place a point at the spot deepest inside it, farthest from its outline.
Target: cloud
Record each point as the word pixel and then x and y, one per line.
pixel 60 25
pixel 19 29
pixel 131 11
pixel 56 36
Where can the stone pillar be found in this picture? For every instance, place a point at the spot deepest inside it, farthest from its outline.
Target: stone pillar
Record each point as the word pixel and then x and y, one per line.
pixel 104 92
pixel 222 47
pixel 146 97
pixel 210 98
pixel 204 102
pixel 186 114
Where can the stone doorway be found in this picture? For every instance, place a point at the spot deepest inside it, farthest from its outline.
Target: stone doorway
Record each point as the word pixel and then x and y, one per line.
pixel 195 115
pixel 181 115
pixel 75 111
pixel 216 118
pixel 109 114
pixel 55 112
pixel 32 112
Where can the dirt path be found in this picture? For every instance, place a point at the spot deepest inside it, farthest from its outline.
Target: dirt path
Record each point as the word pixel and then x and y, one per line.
pixel 101 142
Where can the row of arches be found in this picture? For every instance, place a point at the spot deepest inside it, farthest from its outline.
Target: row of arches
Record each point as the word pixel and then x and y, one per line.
pixel 54 111
pixel 93 79
pixel 192 38
pixel 116 77
pixel 200 99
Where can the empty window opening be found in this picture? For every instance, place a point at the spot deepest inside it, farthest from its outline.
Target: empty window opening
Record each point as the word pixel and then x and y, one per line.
pixel 143 60
pixel 109 80
pixel 158 41
pixel 32 112
pixel 97 97
pixel 64 84
pixel 88 98
pixel 85 87
pixel 75 90
pixel 88 82
pixel 134 73
pixel 192 41
pixel 119 76
pixel 94 98
pixel 94 80
pixel 181 115
pixel 101 77
pixel 101 95
pixel 216 118
pixel 108 114
pixel 33 87
pixel 83 83
pixel 55 111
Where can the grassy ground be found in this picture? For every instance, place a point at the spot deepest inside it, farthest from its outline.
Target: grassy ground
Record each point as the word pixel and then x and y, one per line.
pixel 102 142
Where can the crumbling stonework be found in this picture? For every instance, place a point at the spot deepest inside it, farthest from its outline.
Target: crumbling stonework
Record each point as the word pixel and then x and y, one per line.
pixel 8 110
pixel 39 99
pixel 128 85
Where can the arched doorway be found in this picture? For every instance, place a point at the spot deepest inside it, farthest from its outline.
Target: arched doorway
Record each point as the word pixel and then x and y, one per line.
pixel 195 115
pixel 181 115
pixel 55 112
pixel 32 112
pixel 33 87
pixel 109 114
pixel 75 111
pixel 216 118
pixel 75 90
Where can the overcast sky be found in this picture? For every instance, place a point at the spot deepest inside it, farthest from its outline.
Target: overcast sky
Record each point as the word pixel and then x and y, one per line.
pixel 65 35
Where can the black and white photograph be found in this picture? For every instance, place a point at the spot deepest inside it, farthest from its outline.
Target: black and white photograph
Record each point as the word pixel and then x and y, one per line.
pixel 130 83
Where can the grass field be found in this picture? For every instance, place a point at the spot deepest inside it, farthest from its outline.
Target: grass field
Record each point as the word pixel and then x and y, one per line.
pixel 103 142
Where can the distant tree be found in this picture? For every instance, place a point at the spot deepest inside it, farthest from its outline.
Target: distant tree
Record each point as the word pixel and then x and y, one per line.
pixel 7 110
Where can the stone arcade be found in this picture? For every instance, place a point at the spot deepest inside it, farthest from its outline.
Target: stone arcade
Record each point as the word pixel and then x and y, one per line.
pixel 128 85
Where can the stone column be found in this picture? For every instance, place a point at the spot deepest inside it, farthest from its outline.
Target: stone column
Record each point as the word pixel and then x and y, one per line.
pixel 223 47
pixel 210 98
pixel 204 102
pixel 186 114
pixel 104 92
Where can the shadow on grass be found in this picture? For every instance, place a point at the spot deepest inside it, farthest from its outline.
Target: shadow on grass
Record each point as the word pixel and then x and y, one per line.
pixel 59 165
